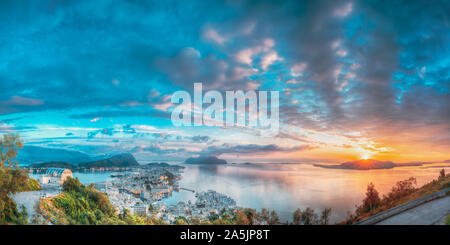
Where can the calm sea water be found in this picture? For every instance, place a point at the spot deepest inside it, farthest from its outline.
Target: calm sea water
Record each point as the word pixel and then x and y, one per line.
pixel 87 177
pixel 286 187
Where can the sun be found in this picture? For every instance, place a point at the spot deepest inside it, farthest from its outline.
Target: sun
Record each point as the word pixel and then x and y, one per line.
pixel 365 156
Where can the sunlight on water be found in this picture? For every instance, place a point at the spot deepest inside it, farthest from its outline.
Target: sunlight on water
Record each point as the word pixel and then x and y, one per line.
pixel 88 177
pixel 286 187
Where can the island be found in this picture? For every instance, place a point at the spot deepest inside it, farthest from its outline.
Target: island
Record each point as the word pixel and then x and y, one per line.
pixel 211 160
pixel 363 164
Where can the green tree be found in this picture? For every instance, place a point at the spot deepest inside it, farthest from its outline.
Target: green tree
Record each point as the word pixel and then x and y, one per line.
pixel 247 216
pixel 309 217
pixel 325 216
pixel 242 218
pixel 263 217
pixel 181 220
pixel 12 180
pixel 195 220
pixel 274 219
pixel 371 201
pixel 401 189
pixel 72 184
pixel 297 217
pixel 441 174
pixel 9 146
pixel 80 204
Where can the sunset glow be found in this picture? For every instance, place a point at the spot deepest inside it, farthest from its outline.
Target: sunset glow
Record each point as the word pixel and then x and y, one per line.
pixel 365 157
pixel 271 114
pixel 345 94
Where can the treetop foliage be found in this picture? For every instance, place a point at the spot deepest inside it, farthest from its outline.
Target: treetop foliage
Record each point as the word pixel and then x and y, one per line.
pixel 9 146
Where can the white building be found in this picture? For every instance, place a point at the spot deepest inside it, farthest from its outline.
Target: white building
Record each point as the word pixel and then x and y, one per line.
pixel 56 175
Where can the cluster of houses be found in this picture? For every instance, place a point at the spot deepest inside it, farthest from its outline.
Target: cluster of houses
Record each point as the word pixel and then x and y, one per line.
pixel 138 190
pixel 206 203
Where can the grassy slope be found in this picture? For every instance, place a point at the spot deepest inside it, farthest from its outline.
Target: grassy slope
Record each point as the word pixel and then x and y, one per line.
pixel 89 208
pixel 81 214
pixel 31 185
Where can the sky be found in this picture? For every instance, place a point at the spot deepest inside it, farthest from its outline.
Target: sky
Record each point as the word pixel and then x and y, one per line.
pixel 357 79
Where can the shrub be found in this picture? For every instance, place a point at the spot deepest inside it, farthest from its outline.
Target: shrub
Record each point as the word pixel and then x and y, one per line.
pixel 309 217
pixel 84 205
pixel 401 189
pixel 445 185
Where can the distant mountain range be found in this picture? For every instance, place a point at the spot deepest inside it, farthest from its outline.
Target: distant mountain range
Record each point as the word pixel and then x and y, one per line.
pixel 35 154
pixel 122 160
pixel 52 165
pixel 158 164
pixel 119 161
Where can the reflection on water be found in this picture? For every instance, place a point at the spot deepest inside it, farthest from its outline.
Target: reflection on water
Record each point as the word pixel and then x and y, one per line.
pixel 286 187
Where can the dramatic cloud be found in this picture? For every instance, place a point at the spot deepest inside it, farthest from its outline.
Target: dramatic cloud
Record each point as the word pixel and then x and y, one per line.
pixel 156 149
pixel 200 138
pixel 128 129
pixel 346 67
pixel 105 131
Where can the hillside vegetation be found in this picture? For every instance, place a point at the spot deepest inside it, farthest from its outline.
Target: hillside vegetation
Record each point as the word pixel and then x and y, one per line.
pixel 403 192
pixel 83 205
pixel 30 185
pixel 118 161
pixel 79 204
pixel 12 181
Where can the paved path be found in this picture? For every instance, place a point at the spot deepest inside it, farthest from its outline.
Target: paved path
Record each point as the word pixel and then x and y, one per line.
pixel 30 198
pixel 426 214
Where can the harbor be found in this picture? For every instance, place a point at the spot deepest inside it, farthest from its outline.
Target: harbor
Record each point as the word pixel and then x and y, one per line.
pixel 143 191
pixel 148 190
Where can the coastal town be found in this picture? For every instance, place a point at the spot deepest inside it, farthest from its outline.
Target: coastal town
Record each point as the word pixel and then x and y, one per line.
pixel 142 191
